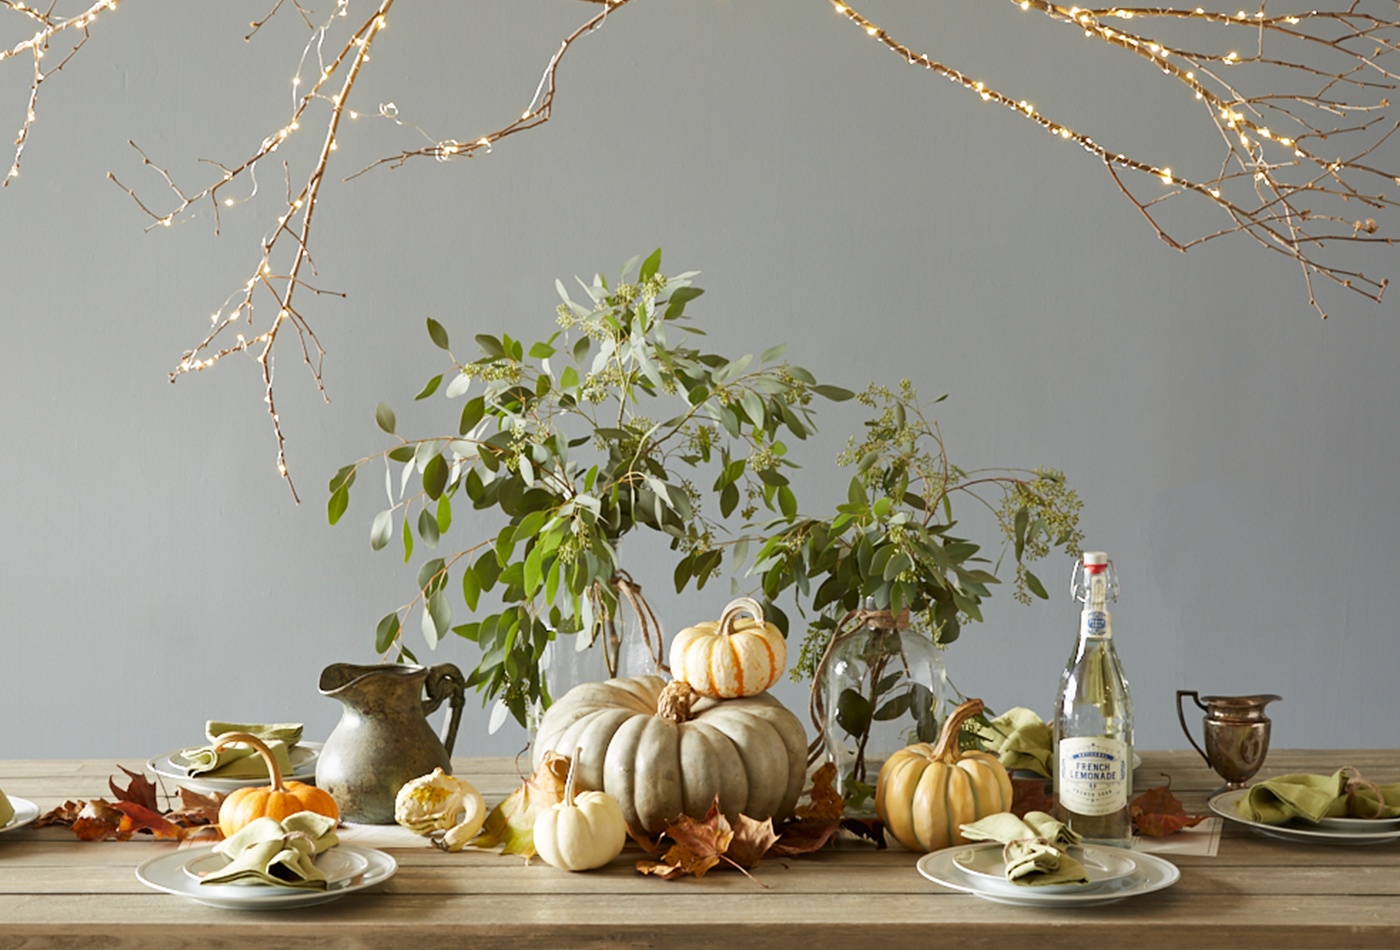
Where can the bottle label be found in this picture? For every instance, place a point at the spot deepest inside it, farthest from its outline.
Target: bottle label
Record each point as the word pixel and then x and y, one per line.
pixel 1095 623
pixel 1093 775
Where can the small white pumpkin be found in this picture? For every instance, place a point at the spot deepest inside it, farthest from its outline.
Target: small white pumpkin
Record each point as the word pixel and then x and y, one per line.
pixel 441 803
pixel 582 832
pixel 738 656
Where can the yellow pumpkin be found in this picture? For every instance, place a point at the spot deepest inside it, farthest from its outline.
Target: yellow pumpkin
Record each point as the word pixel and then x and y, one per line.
pixel 738 656
pixel 926 792
pixel 275 801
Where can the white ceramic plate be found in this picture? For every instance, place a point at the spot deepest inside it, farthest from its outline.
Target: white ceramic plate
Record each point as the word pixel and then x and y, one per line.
pixel 173 764
pixel 984 864
pixel 1150 873
pixel 169 873
pixel 1330 831
pixel 340 865
pixel 25 812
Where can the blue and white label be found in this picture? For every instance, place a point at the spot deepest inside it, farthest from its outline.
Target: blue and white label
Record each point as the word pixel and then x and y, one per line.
pixel 1093 775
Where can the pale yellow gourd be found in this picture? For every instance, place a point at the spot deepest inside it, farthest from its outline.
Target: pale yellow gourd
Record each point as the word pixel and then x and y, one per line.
pixel 926 792
pixel 582 832
pixel 736 656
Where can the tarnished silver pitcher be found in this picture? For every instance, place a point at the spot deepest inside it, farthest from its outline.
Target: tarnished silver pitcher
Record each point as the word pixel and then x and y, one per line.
pixel 1236 733
pixel 383 739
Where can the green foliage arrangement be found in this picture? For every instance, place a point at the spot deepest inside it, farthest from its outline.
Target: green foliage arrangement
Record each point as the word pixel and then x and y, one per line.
pixel 610 425
pixel 891 545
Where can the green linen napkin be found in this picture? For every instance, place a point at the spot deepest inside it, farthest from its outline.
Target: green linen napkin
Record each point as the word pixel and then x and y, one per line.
pixel 7 811
pixel 1034 848
pixel 1343 794
pixel 1022 740
pixel 230 762
pixel 279 853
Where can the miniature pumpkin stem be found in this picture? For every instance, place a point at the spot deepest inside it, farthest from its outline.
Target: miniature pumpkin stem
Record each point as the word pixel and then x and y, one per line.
pixel 569 779
pixel 740 605
pixel 674 701
pixel 949 749
pixel 273 770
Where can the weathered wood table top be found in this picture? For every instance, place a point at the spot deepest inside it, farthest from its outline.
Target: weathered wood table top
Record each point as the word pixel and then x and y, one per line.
pixel 1257 892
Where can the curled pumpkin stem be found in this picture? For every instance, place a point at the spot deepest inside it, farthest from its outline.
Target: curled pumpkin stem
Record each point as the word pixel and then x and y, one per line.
pixel 274 772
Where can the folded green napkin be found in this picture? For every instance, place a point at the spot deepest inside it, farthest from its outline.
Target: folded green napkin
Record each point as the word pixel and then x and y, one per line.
pixel 1035 852
pixel 7 811
pixel 1342 794
pixel 279 853
pixel 235 760
pixel 230 762
pixel 1021 740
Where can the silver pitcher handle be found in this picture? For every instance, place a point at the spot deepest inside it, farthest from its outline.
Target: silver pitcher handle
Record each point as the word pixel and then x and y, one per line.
pixel 1181 717
pixel 445 681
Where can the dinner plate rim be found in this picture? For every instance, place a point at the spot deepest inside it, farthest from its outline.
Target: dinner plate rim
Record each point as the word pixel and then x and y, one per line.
pixel 992 880
pixel 359 865
pixel 166 872
pixel 164 766
pixel 25 812
pixel 1223 805
pixel 1151 873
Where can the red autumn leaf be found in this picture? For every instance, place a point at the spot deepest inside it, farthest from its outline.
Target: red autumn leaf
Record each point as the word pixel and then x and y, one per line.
pixel 1157 813
pixel 137 818
pixel 96 821
pixel 140 791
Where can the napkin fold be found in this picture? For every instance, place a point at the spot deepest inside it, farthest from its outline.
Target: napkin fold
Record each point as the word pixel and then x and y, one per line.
pixel 1022 740
pixel 1035 848
pixel 278 853
pixel 239 760
pixel 1343 794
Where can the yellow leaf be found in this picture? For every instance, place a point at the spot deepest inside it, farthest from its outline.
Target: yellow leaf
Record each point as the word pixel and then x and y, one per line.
pixel 511 824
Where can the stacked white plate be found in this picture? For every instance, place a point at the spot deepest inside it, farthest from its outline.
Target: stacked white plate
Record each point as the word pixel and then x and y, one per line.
pixel 348 868
pixel 25 812
pixel 1114 874
pixel 1326 831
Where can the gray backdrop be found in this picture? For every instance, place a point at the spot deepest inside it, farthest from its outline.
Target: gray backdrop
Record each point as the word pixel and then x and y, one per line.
pixel 1235 454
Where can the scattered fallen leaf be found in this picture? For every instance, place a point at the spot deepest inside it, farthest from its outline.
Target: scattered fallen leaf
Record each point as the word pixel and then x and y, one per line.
pixel 511 824
pixel 698 843
pixel 140 791
pixel 1158 813
pixel 751 841
pixel 824 802
pixel 137 810
pixel 872 829
pixel 805 836
pixel 1031 794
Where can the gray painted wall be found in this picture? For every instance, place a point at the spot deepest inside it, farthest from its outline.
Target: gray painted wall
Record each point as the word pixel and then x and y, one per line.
pixel 1236 455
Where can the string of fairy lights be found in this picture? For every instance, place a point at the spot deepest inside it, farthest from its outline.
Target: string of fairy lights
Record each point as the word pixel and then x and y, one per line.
pixel 1296 166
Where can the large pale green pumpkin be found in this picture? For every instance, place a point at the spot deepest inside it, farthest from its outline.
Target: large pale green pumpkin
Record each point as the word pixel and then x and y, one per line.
pixel 662 752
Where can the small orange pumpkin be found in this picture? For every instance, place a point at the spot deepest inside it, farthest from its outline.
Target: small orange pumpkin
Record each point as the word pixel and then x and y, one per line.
pixel 275 801
pixel 738 656
pixel 926 792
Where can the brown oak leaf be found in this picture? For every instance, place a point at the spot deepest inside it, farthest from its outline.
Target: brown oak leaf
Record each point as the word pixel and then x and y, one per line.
pixel 140 790
pixel 1157 813
pixel 824 802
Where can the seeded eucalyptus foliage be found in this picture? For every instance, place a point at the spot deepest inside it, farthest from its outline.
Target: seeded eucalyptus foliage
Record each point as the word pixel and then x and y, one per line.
pixel 894 543
pixel 615 422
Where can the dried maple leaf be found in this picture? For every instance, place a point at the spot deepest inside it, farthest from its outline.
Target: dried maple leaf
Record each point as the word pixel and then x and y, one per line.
pixel 137 818
pixel 196 809
pixel 752 840
pixel 96 821
pixel 805 836
pixel 699 843
pixel 1158 813
pixel 511 824
pixel 824 801
pixel 140 791
pixel 64 815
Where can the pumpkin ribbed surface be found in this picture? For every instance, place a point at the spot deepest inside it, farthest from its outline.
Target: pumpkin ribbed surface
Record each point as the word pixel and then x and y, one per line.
pixel 735 656
pixel 751 752
pixel 925 792
pixel 276 801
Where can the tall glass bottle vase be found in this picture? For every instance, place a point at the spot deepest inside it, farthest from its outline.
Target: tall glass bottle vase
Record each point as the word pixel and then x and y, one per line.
pixel 879 687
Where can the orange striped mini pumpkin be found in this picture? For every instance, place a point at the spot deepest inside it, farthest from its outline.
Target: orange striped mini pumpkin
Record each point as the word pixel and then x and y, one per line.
pixel 736 656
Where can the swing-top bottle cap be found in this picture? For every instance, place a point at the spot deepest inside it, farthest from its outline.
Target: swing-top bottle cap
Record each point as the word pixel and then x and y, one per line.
pixel 1095 562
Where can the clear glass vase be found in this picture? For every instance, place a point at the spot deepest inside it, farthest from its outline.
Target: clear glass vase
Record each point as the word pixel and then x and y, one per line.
pixel 884 686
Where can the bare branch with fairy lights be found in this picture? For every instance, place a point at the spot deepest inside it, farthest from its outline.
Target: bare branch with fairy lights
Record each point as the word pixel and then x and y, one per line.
pixel 49 29
pixel 1300 102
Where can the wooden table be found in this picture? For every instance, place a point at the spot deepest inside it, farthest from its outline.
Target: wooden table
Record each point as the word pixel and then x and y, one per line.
pixel 1257 892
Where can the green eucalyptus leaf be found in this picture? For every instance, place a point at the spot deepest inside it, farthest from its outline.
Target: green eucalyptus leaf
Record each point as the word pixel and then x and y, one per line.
pixel 471 588
pixel 430 388
pixel 1034 585
pixel 490 346
pixel 853 712
pixel 435 476
pixel 339 501
pixel 384 418
pixel 402 453
pixel 437 334
pixel 386 632
pixel 382 529
pixel 649 266
pixel 427 528
pixel 407 541
pixel 472 411
pixel 834 393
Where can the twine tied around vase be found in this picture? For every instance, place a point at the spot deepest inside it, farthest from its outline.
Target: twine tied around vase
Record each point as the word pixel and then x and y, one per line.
pixel 848 626
pixel 630 592
pixel 1355 783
